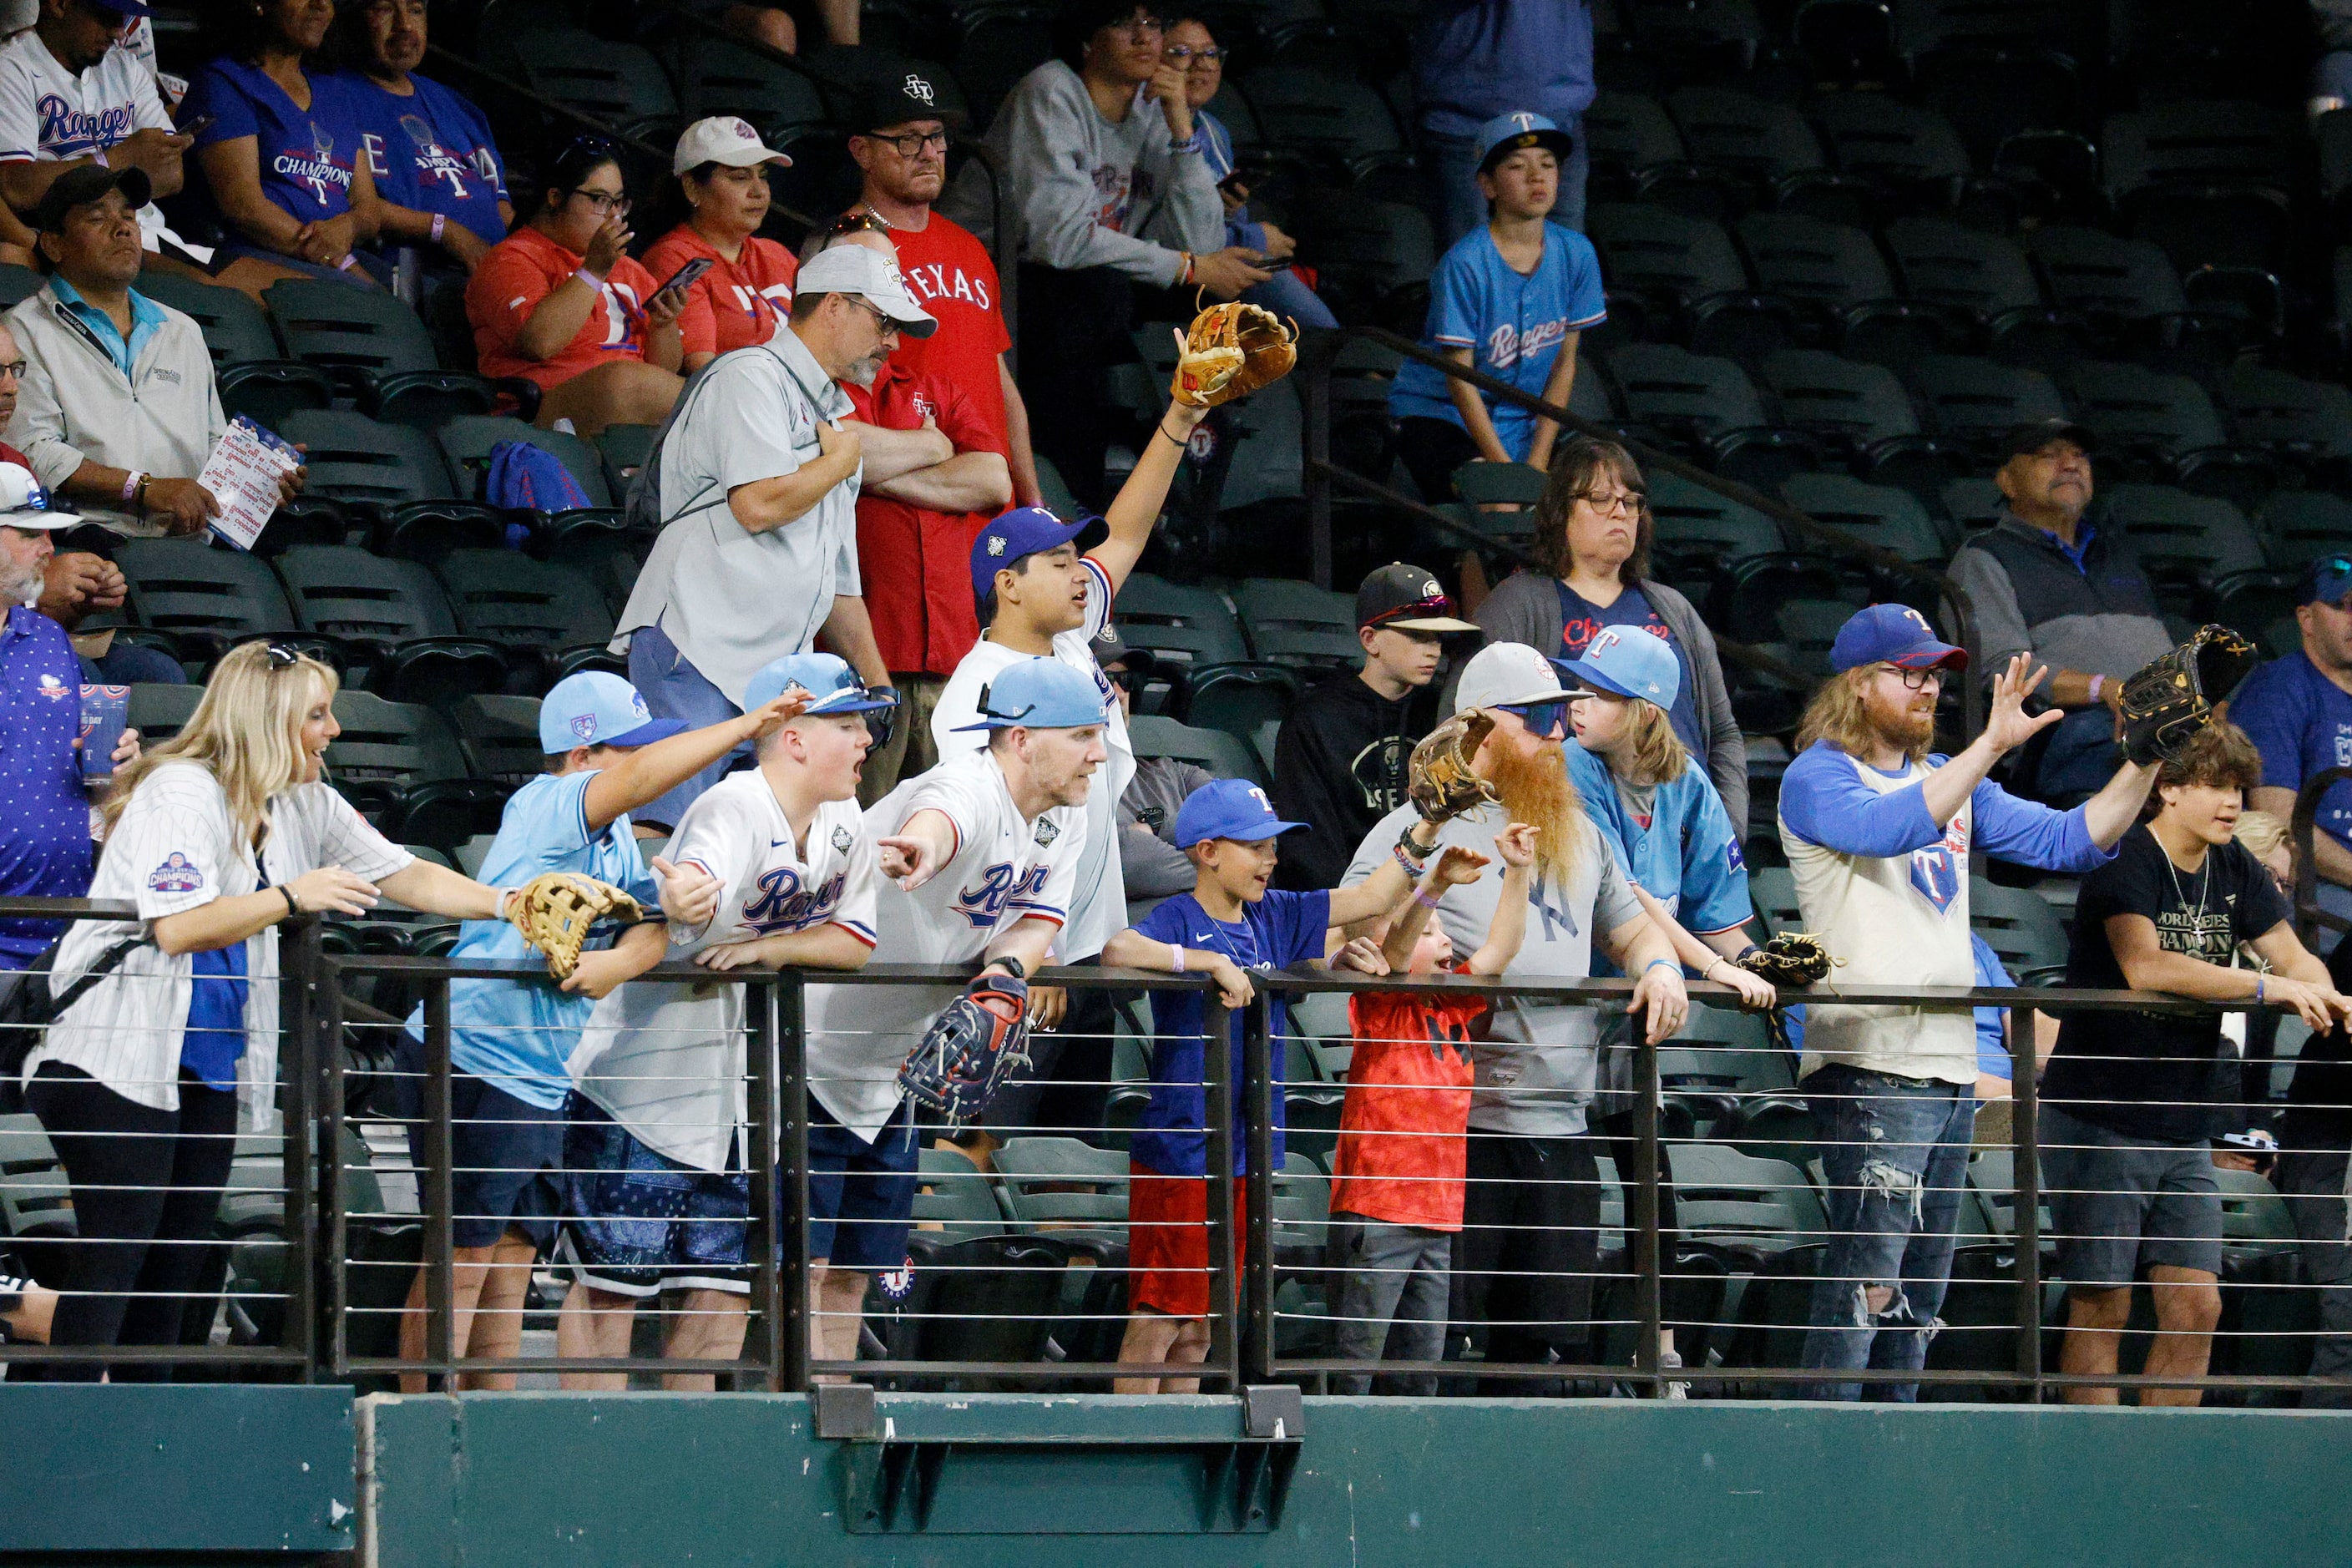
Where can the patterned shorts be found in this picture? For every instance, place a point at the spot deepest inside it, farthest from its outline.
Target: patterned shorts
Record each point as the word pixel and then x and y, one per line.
pixel 641 1223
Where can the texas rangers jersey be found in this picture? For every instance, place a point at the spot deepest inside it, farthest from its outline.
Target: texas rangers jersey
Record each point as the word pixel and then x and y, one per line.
pixel 1100 912
pixel 665 1059
pixel 49 112
pixel 1004 869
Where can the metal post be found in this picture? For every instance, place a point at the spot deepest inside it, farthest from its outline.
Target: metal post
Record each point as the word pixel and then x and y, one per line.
pixel 1648 1292
pixel 331 1264
pixel 440 1231
pixel 2027 1180
pixel 1258 1071
pixel 1316 393
pixel 788 1000
pixel 298 974
pixel 1217 1057
pixel 761 1149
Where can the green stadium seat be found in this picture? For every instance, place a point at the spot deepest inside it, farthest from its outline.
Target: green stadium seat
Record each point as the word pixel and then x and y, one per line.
pixel 254 373
pixel 186 586
pixel 376 349
pixel 1883 515
pixel 2186 543
pixel 356 459
pixel 2303 526
pixel 500 737
pixel 1193 626
pixel 511 598
pixel 35 1200
pixel 1742 1205
pixel 1292 623
pixel 18 284
pixel 466 442
pixel 349 593
pixel 2021 927
pixel 1227 757
pixel 954 1200
pixel 1774 889
pixel 1976 402
pixel 1071 1191
pixel 159 712
pixel 718 77
pixel 618 84
pixel 397 743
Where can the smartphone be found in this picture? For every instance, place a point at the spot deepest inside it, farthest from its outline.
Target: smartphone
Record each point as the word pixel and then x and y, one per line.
pixel 193 127
pixel 1276 264
pixel 684 278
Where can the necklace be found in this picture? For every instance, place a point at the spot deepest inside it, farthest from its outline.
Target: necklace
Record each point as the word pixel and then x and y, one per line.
pixel 1217 935
pixel 2204 884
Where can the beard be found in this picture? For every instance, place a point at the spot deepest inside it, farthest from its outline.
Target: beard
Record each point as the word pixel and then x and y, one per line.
pixel 1900 725
pixel 22 586
pixel 1537 791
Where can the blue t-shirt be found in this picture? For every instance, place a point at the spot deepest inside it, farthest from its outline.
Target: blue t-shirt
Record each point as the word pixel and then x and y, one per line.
pixel 1276 932
pixel 1580 621
pixel 431 151
pixel 215 1041
pixel 1687 857
pixel 1474 59
pixel 519 1034
pixel 1514 325
pixel 2301 721
pixel 306 154
pixel 45 849
pixel 1992 1022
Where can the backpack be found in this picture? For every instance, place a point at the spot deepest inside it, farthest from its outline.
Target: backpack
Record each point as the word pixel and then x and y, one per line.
pixel 27 1007
pixel 525 478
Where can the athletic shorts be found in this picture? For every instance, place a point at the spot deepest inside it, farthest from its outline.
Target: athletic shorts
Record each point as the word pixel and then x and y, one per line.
pixel 861 1195
pixel 640 1222
pixel 1167 1240
pixel 2119 1201
pixel 506 1155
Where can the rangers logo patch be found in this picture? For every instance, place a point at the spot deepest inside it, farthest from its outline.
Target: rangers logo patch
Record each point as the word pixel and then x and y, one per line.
pixel 842 839
pixel 899 1283
pixel 175 874
pixel 52 687
pixel 1046 833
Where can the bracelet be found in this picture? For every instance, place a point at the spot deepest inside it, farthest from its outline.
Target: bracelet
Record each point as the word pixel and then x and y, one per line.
pixel 1181 444
pixel 1186 274
pixel 1176 951
pixel 347 263
pixel 2098 684
pixel 131 484
pixel 2258 990
pixel 292 907
pixel 440 222
pixel 591 278
pixel 1424 900
pixel 1674 963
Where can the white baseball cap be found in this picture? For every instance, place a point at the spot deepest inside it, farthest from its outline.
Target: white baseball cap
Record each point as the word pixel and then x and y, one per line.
pixel 723 139
pixel 854 269
pixel 1505 675
pixel 26 503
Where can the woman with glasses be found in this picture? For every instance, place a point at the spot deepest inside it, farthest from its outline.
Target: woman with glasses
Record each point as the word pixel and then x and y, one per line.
pixel 560 302
pixel 721 174
pixel 217 835
pixel 1592 531
pixel 280 149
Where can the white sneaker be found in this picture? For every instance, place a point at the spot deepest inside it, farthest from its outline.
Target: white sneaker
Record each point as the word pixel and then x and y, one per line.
pixel 1671 1361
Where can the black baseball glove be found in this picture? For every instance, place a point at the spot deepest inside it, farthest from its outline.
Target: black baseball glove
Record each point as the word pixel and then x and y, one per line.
pixel 2166 703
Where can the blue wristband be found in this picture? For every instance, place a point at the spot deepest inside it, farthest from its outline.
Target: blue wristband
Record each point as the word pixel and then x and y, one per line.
pixel 1674 963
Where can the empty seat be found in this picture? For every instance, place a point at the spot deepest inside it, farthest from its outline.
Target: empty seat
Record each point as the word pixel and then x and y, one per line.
pixel 1978 402
pixel 1883 515
pixel 394 744
pixel 159 712
pixel 1758 139
pixel 2169 426
pixel 616 84
pixel 2118 281
pixel 2207 182
pixel 189 585
pixel 1984 279
pixel 35 1200
pixel 356 459
pixel 2303 526
pixel 1310 112
pixel 1692 526
pixel 1227 757
pixel 1728 1200
pixel 349 593
pixel 1852 407
pixel 1773 889
pixel 1871 134
pixel 2189 538
pixel 511 598
pixel 1059 1185
pixel 376 349
pixel 2019 925
pixel 718 77
pixel 1192 625
pixel 500 737
pixel 1707 404
pixel 2309 422
pixel 251 369
pixel 1626 133
pixel 1297 623
pixel 1683 270
pixel 1836 271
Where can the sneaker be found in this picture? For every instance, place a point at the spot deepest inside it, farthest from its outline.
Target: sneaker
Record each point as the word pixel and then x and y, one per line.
pixel 1671 1361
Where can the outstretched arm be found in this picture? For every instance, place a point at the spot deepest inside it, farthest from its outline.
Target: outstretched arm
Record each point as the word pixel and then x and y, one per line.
pixel 648 772
pixel 924 843
pixel 1135 511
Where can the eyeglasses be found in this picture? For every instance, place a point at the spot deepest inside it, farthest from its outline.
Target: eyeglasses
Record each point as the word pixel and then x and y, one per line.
pixel 1543 720
pixel 914 143
pixel 1138 26
pixel 1628 503
pixel 14 369
pixel 883 321
pixel 1196 57
pixel 860 222
pixel 604 203
pixel 1917 679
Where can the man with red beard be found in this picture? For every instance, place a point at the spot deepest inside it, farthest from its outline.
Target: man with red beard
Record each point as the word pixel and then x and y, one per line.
pixel 1878 833
pixel 1530 1221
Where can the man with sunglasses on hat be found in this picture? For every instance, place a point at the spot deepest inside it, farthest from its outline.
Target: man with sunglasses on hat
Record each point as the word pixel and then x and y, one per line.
pixel 2298 713
pixel 2047 582
pixel 1339 760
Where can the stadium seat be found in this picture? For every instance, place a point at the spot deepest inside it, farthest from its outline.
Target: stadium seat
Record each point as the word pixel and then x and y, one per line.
pixel 1742 1208
pixel 1696 39
pixel 1989 283
pixel 512 599
pixel 1002 44
pixel 466 442
pixel 1973 503
pixel 392 743
pixel 1883 515
pixel 1061 1187
pixel 2262 605
pixel 1226 756
pixel 186 586
pixel 1268 465
pixel 349 593
pixel 35 1202
pixel 718 76
pixel 377 351
pixel 1698 533
pixel 1627 133
pixel 366 464
pixel 500 737
pixel 1977 403
pixel 2127 288
pixel 159 712
pixel 2183 538
pixel 1764 143
pixel 953 1199
pixel 1191 626
pixel 18 284
pixel 1835 273
pixel 1860 412
pixel 2304 525
pixel 1298 624
pixel 2018 924
pixel 1683 270
pixel 620 85
pixel 250 369
pixel 1774 890
pixel 1325 117
pixel 1369 255
pixel 2207 182
pixel 2166 428
pixel 2307 424
pixel 1911 153
pixel 1708 405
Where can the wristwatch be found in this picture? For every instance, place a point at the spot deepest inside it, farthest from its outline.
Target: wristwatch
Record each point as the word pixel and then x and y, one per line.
pixel 1019 970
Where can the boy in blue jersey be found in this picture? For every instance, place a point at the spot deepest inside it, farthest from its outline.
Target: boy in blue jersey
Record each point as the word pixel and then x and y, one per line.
pixel 1228 925
pixel 509 1040
pixel 1510 298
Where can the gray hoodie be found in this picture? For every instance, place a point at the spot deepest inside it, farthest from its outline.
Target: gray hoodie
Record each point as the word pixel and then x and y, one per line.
pixel 1087 192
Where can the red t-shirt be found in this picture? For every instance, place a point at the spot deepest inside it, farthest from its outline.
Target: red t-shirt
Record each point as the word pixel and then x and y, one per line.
pixel 524 269
pixel 916 563
pixel 949 273
pixel 737 303
pixel 1404 1127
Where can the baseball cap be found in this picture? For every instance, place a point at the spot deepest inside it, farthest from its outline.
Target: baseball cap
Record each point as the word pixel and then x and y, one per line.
pixel 2034 434
pixel 1630 664
pixel 1401 598
pixel 2329 580
pixel 908 98
pixel 1893 634
pixel 1108 648
pixel 1024 531
pixel 597 708
pixel 1507 133
pixel 870 275
pixel 83 185
pixel 832 687
pixel 1038 694
pixel 26 502
pixel 1229 808
pixel 1506 675
pixel 723 139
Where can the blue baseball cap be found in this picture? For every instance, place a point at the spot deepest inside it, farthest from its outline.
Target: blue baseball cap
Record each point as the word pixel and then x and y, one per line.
pixel 1630 664
pixel 1025 531
pixel 596 707
pixel 2327 580
pixel 1893 634
pixel 1229 808
pixel 1507 133
pixel 1038 694
pixel 832 685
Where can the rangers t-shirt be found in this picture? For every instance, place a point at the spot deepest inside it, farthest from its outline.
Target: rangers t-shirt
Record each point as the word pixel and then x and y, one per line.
pixel 951 277
pixel 526 268
pixel 431 151
pixel 737 303
pixel 306 154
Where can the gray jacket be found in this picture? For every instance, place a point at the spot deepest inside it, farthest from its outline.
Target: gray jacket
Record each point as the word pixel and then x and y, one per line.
pixel 1525 609
pixel 1088 193
pixel 1155 867
pixel 2097 613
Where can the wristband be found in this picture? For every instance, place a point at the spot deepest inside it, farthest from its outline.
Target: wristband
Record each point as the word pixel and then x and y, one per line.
pixel 1185 275
pixel 1674 963
pixel 1189 145
pixel 2098 684
pixel 591 278
pixel 131 484
pixel 1424 900
pixel 1176 951
pixel 440 222
pixel 292 907
pixel 347 263
pixel 1181 444
pixel 2258 990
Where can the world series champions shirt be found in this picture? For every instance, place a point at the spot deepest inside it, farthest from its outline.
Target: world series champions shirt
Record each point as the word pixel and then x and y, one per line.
pixel 306 155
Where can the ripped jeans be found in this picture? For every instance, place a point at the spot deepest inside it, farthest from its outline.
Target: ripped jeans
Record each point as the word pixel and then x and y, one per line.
pixel 1897 1155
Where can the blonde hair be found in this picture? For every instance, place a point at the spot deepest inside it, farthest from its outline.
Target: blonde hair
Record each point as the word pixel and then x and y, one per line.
pixel 246 732
pixel 1658 753
pixel 1838 713
pixel 2262 833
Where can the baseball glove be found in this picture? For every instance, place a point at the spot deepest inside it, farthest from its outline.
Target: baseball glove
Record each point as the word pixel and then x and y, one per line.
pixel 971 1048
pixel 1439 778
pixel 1792 958
pixel 1231 351
pixel 555 910
pixel 2166 703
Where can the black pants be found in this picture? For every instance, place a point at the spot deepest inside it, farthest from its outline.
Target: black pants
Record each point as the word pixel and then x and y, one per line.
pixel 1431 450
pixel 146 1184
pixel 1074 326
pixel 1530 1239
pixel 1617 1142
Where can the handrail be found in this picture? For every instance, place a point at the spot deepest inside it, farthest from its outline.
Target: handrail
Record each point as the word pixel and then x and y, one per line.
pixel 1321 472
pixel 2310 919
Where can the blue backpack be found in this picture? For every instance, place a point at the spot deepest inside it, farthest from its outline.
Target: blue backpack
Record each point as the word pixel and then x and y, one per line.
pixel 522 477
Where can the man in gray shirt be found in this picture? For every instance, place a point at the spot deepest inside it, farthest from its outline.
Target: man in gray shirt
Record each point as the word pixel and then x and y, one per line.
pixel 758 482
pixel 2046 582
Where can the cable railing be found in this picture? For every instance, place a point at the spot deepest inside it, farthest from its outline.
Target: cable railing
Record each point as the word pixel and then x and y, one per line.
pixel 2311 921
pixel 1687 1254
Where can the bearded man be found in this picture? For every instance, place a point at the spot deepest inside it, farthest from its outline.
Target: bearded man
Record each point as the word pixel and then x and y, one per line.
pixel 1531 1217
pixel 1878 833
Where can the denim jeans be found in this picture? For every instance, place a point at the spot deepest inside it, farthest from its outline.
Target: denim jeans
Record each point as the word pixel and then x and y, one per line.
pixel 2313 1183
pixel 674 688
pixel 1896 1153
pixel 1449 168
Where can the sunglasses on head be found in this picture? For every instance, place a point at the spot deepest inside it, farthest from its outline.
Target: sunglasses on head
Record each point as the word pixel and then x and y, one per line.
pixel 282 656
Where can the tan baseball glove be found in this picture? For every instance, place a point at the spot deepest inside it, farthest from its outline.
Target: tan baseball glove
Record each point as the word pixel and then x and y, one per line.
pixel 555 910
pixel 1439 777
pixel 1231 351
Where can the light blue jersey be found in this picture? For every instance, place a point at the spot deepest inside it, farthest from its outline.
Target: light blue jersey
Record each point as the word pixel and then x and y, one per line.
pixel 1514 325
pixel 1687 857
pixel 519 1034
